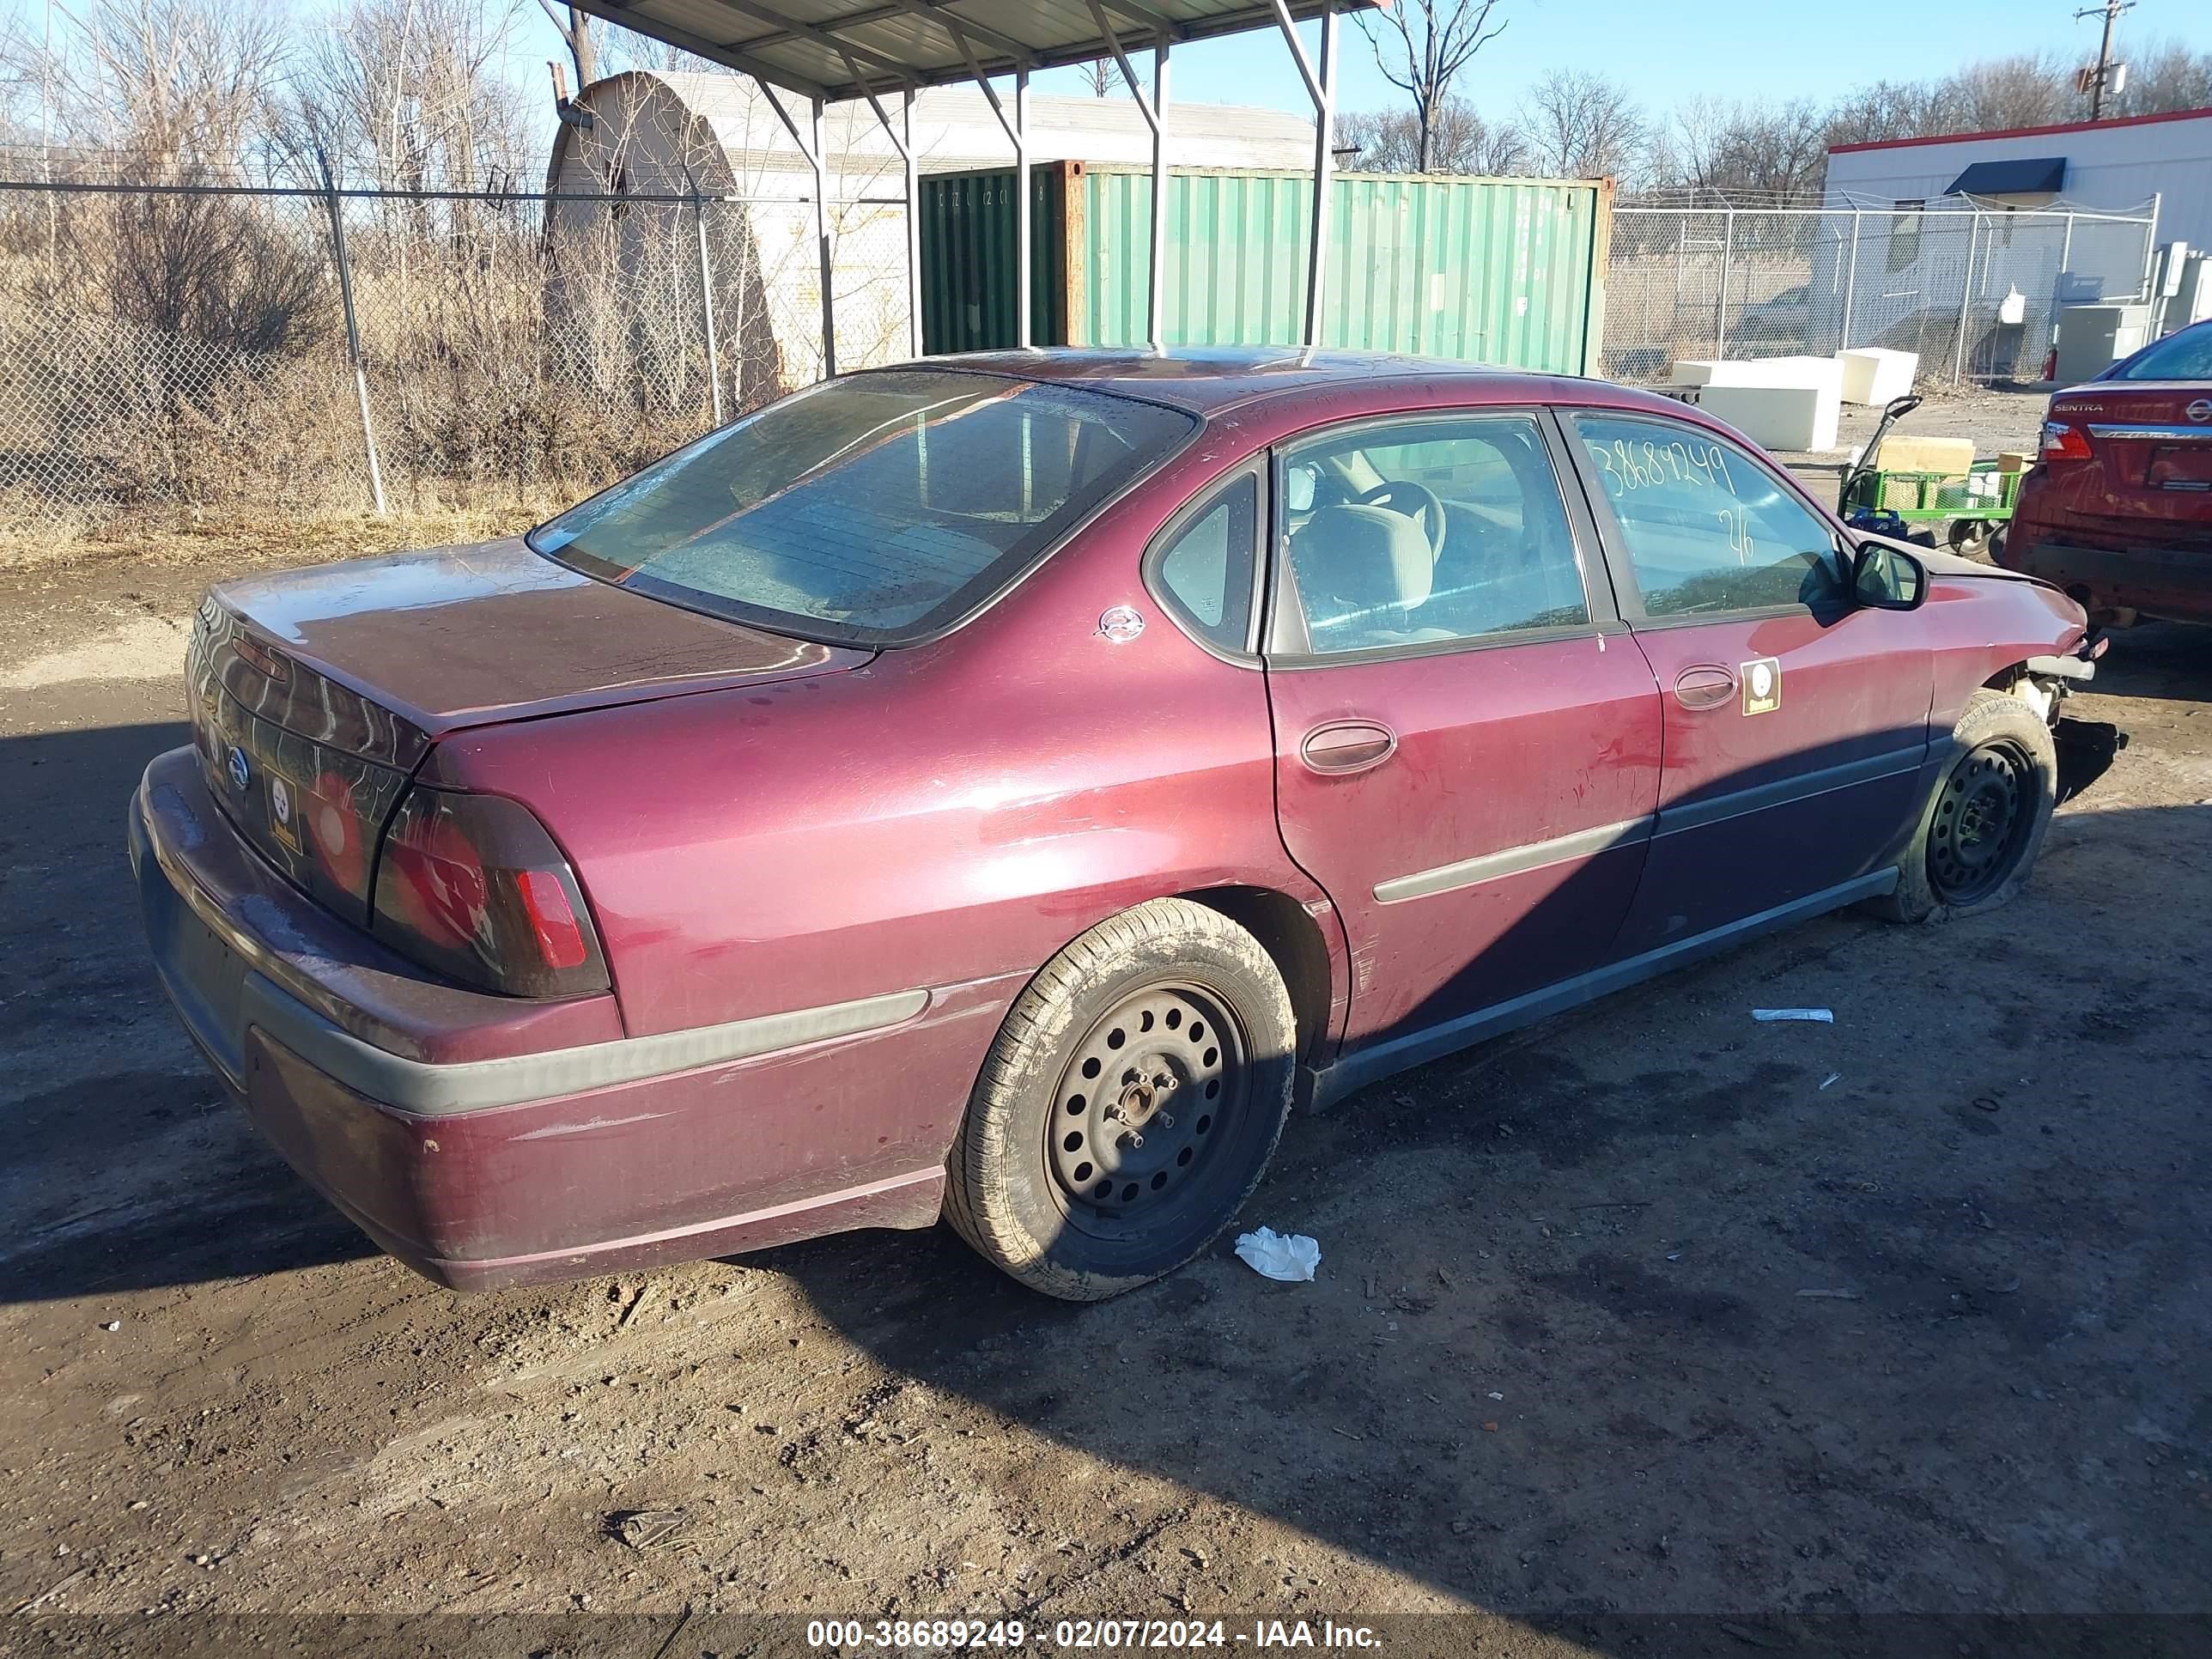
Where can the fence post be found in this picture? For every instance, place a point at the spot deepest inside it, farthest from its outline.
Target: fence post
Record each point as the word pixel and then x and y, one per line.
pixel 1850 284
pixel 707 305
pixel 2150 240
pixel 1966 300
pixel 353 329
pixel 1720 310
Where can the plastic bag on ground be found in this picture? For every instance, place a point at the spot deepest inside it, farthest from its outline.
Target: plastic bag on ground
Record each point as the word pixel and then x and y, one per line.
pixel 1290 1257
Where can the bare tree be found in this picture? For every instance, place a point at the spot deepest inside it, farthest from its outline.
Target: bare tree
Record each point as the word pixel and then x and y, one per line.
pixel 2163 76
pixel 412 93
pixel 179 84
pixel 576 34
pixel 1582 125
pixel 1460 140
pixel 1745 153
pixel 1101 77
pixel 2026 90
pixel 1427 43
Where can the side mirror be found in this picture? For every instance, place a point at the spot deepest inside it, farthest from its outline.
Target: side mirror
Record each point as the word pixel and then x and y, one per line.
pixel 1886 578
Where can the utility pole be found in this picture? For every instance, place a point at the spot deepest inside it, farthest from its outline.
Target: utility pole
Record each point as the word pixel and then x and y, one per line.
pixel 2101 78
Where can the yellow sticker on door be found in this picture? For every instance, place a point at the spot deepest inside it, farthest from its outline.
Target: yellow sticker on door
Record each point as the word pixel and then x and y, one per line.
pixel 1762 686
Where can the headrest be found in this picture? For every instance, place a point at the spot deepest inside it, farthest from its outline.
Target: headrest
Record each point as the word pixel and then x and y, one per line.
pixel 1364 557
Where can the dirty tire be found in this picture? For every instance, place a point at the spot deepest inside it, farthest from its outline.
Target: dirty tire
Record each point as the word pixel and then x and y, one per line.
pixel 1998 749
pixel 1010 1190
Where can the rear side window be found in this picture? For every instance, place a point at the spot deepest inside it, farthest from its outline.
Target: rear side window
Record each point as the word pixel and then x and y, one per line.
pixel 876 509
pixel 1706 529
pixel 2186 355
pixel 1204 570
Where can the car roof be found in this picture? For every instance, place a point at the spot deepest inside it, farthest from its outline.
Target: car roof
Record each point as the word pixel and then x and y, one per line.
pixel 1205 380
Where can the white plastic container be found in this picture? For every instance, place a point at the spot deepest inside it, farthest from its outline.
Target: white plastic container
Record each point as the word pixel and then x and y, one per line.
pixel 1875 375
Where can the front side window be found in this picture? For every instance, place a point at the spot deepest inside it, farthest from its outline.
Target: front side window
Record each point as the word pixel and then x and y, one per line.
pixel 1428 532
pixel 871 510
pixel 1706 529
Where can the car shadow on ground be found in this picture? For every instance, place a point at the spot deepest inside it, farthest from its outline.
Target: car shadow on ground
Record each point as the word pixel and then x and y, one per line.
pixel 1644 1308
pixel 126 1168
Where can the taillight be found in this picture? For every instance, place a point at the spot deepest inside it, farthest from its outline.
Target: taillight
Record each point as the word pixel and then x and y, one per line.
pixel 335 832
pixel 473 887
pixel 2062 442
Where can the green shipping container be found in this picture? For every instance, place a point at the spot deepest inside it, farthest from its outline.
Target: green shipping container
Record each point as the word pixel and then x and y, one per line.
pixel 1509 271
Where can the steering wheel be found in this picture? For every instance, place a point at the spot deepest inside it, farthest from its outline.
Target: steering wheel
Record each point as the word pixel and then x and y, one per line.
pixel 1425 505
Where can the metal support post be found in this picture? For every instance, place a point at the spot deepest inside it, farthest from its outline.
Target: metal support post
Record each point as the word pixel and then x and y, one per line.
pixel 1024 299
pixel 1965 301
pixel 1720 300
pixel 1322 89
pixel 913 225
pixel 1157 310
pixel 1850 284
pixel 822 248
pixel 902 138
pixel 352 330
pixel 707 308
pixel 1155 113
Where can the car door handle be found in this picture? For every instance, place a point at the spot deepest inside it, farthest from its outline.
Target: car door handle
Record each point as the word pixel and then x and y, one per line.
pixel 1707 686
pixel 1342 747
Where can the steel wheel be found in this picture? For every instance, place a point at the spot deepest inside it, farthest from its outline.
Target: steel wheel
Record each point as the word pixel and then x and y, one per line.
pixel 1981 822
pixel 1157 1085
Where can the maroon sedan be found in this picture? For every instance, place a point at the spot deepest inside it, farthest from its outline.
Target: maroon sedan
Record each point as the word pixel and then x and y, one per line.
pixel 2118 509
pixel 999 787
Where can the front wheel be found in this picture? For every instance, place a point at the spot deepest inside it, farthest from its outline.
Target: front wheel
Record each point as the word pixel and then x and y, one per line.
pixel 1981 830
pixel 1128 1106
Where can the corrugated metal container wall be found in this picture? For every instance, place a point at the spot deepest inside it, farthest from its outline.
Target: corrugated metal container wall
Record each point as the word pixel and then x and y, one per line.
pixel 1490 270
pixel 968 228
pixel 1495 271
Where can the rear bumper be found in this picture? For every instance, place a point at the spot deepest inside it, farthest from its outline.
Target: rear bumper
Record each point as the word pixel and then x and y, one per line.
pixel 513 1167
pixel 2165 582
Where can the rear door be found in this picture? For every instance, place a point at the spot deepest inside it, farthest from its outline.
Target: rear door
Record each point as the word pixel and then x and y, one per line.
pixel 1795 725
pixel 1467 741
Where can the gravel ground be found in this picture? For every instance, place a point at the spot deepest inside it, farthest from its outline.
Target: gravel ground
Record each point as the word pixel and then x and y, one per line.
pixel 1647 1310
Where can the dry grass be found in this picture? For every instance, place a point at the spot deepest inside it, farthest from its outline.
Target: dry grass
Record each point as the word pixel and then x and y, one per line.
pixel 229 541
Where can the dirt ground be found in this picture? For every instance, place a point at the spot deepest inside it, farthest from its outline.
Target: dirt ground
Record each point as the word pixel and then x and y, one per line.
pixel 1650 1311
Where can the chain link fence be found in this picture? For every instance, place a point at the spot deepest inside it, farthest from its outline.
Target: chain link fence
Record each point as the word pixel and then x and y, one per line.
pixel 1975 292
pixel 215 347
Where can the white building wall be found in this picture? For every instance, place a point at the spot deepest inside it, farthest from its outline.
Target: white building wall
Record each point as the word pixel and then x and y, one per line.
pixel 2113 167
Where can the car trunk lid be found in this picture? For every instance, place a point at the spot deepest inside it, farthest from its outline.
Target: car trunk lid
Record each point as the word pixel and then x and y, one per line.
pixel 2149 459
pixel 315 693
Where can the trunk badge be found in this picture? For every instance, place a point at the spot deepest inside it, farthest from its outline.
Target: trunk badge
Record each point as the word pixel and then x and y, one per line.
pixel 240 772
pixel 1120 624
pixel 2200 410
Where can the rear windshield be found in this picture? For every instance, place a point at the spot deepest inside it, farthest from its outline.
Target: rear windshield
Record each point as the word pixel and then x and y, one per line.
pixel 2184 356
pixel 873 510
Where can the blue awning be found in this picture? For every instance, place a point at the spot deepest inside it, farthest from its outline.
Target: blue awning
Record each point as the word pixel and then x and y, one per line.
pixel 2026 177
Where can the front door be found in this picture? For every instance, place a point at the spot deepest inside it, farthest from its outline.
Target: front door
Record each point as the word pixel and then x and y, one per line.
pixel 1794 724
pixel 1466 740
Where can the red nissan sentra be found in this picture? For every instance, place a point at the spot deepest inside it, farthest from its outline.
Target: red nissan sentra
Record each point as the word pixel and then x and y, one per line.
pixel 999 786
pixel 2118 510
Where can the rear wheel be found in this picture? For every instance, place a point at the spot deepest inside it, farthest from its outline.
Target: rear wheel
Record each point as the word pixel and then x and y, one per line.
pixel 1128 1106
pixel 1982 828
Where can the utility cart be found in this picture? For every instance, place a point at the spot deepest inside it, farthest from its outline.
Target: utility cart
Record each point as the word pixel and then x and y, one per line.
pixel 1972 504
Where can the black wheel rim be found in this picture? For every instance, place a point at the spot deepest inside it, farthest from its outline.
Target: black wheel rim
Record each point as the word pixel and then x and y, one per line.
pixel 1145 1122
pixel 1983 816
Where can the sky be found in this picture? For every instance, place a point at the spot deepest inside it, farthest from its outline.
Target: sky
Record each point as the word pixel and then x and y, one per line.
pixel 1663 53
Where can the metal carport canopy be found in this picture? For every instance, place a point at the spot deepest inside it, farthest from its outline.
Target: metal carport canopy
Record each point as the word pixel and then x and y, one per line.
pixel 830 50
